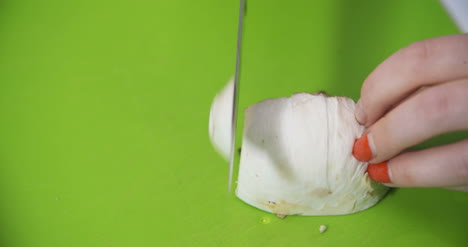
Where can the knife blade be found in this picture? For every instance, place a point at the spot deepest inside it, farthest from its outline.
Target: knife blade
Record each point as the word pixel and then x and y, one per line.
pixel 235 98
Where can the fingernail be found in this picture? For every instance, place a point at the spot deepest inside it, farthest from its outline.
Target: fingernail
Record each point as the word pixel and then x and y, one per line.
pixel 379 172
pixel 362 149
pixel 359 113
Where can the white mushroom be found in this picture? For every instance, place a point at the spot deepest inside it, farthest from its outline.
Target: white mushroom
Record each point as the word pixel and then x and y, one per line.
pixel 220 120
pixel 296 156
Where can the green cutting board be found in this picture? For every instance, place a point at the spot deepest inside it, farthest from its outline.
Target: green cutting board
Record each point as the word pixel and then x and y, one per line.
pixel 104 119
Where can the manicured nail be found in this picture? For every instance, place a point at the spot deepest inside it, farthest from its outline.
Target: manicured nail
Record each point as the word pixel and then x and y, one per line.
pixel 362 149
pixel 359 113
pixel 379 172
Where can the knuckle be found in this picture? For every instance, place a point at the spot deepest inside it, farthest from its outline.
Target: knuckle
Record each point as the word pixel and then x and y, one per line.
pixel 435 106
pixel 418 54
pixel 419 50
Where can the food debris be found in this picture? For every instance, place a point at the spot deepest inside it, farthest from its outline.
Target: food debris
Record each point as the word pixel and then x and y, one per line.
pixel 282 216
pixel 322 228
pixel 265 220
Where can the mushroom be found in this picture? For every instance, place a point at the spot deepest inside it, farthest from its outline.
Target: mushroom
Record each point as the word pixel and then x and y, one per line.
pixel 220 120
pixel 296 155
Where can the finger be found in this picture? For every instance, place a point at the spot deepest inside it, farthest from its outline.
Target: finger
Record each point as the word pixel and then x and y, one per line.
pixel 443 166
pixel 422 63
pixel 433 111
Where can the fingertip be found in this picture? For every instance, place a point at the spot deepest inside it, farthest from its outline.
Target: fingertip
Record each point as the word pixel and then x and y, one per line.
pixel 379 172
pixel 362 150
pixel 359 113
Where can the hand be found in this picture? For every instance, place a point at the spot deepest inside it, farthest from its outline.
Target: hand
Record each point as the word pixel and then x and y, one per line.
pixel 419 92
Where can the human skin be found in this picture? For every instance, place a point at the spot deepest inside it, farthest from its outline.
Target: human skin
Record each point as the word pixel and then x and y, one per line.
pixel 419 92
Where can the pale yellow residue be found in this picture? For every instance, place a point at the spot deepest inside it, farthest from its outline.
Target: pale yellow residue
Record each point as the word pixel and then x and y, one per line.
pixel 282 216
pixel 283 208
pixel 320 192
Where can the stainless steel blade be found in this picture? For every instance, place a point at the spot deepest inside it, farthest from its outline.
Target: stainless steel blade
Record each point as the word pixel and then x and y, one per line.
pixel 236 93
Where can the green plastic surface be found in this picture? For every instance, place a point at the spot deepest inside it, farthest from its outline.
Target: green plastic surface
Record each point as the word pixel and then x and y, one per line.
pixel 104 119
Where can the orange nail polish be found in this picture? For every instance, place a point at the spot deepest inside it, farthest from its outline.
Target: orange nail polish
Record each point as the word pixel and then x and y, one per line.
pixel 379 172
pixel 362 150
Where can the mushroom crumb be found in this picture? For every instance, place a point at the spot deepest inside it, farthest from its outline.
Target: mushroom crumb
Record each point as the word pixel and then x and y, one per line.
pixel 322 228
pixel 282 216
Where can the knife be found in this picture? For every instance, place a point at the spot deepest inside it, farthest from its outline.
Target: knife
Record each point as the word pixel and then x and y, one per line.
pixel 235 97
